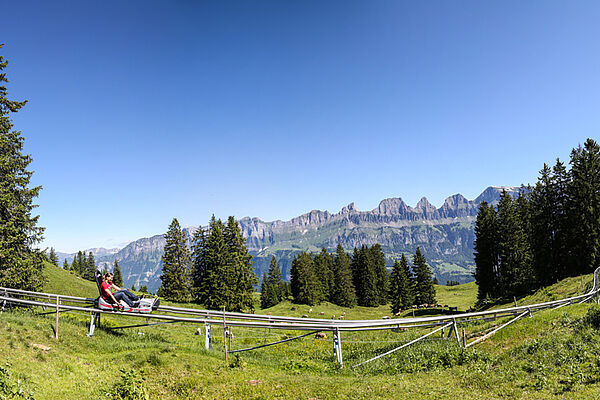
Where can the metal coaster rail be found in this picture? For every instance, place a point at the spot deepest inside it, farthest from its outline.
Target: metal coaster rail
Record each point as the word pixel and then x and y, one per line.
pixel 169 314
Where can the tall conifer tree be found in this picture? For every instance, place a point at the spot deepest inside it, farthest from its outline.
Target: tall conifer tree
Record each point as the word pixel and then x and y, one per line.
pixel 584 208
pixel 20 264
pixel 273 290
pixel 401 286
pixel 424 289
pixel 53 257
pixel 543 225
pixel 516 270
pixel 216 289
pixel 382 276
pixel 90 267
pixel 486 252
pixel 118 276
pixel 176 275
pixel 343 292
pixel 323 263
pixel 304 282
pixel 243 278
pixel 365 277
pixel 199 263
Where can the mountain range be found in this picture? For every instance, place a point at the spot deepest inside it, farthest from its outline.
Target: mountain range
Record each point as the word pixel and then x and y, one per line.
pixel 445 236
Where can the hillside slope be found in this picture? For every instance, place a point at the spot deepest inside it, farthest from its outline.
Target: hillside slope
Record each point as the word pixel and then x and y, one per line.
pixel 550 356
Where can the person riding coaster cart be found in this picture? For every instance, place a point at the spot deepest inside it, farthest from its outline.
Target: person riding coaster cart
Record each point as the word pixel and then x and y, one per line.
pixel 123 299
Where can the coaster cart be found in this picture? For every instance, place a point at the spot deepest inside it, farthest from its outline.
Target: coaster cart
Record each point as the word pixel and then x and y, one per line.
pixel 146 305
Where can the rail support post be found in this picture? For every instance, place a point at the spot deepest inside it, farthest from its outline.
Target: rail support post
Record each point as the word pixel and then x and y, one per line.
pixel 57 315
pixel 94 319
pixel 207 336
pixel 455 327
pixel 337 347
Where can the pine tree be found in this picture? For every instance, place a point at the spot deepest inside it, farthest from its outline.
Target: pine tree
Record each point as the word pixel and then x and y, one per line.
pixel 584 208
pixel 561 250
pixel 265 293
pixel 53 257
pixel 90 267
pixel 304 283
pixel 401 286
pixel 424 290
pixel 66 265
pixel 272 290
pixel 543 226
pixel 515 270
pixel 243 279
pixel 118 276
pixel 20 264
pixel 215 290
pixel 342 293
pixel 323 263
pixel 365 278
pixel 75 266
pixel 81 263
pixel 176 276
pixel 199 263
pixel 382 277
pixel 486 252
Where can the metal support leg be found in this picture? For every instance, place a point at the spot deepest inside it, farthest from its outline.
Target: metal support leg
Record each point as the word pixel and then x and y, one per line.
pixel 94 317
pixel 337 347
pixel 207 336
pixel 455 326
pixel 403 346
pixel 57 315
pixel 3 305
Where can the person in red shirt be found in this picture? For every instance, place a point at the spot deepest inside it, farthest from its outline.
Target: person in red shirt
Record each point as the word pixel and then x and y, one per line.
pixel 107 286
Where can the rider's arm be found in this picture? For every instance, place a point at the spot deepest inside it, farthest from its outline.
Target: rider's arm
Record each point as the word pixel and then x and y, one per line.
pixel 111 296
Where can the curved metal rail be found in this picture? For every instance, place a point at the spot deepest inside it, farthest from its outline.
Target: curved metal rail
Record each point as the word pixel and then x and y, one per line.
pixel 61 303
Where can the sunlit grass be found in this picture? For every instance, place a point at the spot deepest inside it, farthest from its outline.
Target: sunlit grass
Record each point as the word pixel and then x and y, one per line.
pixel 549 356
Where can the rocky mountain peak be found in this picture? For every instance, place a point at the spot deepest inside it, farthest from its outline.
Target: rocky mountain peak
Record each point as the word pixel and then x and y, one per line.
pixel 491 195
pixel 424 204
pixel 349 208
pixel 393 206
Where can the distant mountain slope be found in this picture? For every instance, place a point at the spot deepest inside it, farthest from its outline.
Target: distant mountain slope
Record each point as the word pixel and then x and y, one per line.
pixel 445 235
pixel 98 252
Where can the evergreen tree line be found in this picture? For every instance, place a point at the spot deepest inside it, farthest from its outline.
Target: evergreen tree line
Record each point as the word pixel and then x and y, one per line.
pixel 85 266
pixel 361 279
pixel 548 232
pixel 217 272
pixel 273 289
pixel 82 265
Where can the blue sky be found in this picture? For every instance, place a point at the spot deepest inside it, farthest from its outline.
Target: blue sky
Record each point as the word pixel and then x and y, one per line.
pixel 142 111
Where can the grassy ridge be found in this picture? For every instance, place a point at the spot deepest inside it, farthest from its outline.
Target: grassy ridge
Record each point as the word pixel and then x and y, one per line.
pixel 550 356
pixel 59 281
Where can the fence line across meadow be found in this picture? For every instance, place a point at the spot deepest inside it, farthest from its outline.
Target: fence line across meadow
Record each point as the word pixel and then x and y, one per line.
pixel 167 314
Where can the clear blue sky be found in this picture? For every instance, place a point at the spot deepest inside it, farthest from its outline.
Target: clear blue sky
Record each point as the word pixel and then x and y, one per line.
pixel 141 111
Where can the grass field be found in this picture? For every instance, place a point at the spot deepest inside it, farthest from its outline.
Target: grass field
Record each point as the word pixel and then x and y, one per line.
pixel 549 356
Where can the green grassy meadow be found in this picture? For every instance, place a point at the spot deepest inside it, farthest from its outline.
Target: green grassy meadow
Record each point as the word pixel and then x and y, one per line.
pixel 550 356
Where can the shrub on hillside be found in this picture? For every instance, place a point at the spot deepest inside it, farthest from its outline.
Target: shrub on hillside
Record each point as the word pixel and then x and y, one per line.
pixel 592 318
pixel 11 388
pixel 130 387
